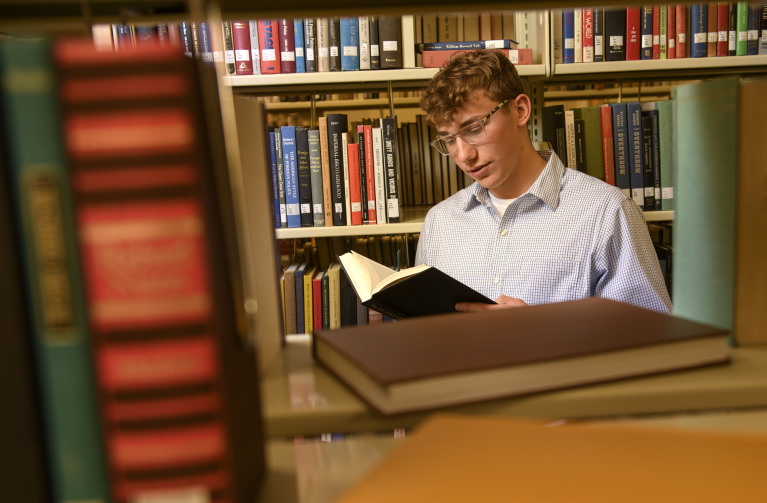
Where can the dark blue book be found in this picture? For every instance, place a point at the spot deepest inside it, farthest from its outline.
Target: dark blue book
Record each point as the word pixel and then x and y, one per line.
pixel 310 44
pixel 124 37
pixel 185 38
pixel 752 44
pixel 350 41
pixel 568 36
pixel 299 278
pixel 466 45
pixel 646 20
pixel 620 147
pixel 298 36
pixel 275 180
pixel 698 30
pixel 304 177
pixel 599 34
pixel 634 151
pixel 648 161
pixel 290 175
pixel 206 47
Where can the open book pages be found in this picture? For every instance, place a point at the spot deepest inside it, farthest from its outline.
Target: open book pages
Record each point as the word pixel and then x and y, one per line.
pixel 368 276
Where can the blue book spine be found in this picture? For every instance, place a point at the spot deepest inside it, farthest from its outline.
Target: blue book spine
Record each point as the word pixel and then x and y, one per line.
pixel 568 35
pixel 275 180
pixel 290 177
pixel 185 38
pixel 620 148
pixel 298 36
pixel 634 152
pixel 698 30
pixel 206 48
pixel 350 40
pixel 752 47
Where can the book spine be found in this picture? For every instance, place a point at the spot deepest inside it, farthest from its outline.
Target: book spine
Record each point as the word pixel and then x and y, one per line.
pixel 665 134
pixel 723 28
pixel 155 263
pixel 608 155
pixel 380 176
pixel 290 175
pixel 375 45
pixel 327 183
pixel 634 152
pixel 435 59
pixel 732 37
pixel 315 170
pixel 268 42
pixel 206 45
pixel 336 129
pixel 54 291
pixel 310 44
pixel 712 28
pixel 568 36
pixel 371 172
pixel 620 147
pixel 242 52
pixel 349 33
pixel 763 29
pixel 277 207
pixel 287 43
pixel 363 172
pixel 299 299
pixel 466 45
pixel 655 132
pixel 698 30
pixel 185 37
pixel 334 41
pixel 615 34
pixel 390 41
pixel 645 51
pixel 323 44
pixel 355 192
pixel 741 45
pixel 389 136
pixel 633 33
pixel 304 177
pixel 648 161
pixel 682 30
pixel 280 177
pixel 671 31
pixel 255 49
pixel 317 301
pixel 664 32
pixel 588 35
pixel 226 28
pixel 578 35
pixel 363 26
pixel 299 43
pixel 752 46
pixel 657 30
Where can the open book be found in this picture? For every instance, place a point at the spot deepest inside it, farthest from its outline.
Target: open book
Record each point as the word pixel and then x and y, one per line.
pixel 415 291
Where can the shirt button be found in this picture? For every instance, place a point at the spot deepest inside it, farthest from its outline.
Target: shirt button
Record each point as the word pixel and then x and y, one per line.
pixel 504 232
pixel 496 280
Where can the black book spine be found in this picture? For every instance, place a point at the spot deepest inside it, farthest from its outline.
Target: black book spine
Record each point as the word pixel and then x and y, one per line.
pixel 304 177
pixel 615 34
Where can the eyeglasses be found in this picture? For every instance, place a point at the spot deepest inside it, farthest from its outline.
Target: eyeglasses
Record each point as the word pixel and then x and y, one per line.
pixel 471 133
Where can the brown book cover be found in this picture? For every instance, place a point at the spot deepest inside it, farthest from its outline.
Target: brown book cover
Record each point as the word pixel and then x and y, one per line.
pixel 453 458
pixel 435 361
pixel 436 58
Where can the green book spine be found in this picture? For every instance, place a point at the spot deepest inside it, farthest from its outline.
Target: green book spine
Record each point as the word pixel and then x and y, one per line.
pixel 52 273
pixel 741 20
pixel 665 124
pixel 705 152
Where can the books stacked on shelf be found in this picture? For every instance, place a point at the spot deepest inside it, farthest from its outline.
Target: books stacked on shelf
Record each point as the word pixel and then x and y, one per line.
pixel 316 291
pixel 625 144
pixel 693 30
pixel 127 273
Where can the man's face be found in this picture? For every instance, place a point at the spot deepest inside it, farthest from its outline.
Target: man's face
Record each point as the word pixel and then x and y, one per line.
pixel 492 161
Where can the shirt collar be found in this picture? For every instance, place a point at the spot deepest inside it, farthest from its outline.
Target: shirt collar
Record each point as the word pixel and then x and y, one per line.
pixel 546 187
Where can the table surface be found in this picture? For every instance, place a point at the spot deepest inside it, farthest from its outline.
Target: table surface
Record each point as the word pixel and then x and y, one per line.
pixel 301 398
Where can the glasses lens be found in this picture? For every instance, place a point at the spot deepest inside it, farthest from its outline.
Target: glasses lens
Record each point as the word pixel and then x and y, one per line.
pixel 473 133
pixel 441 146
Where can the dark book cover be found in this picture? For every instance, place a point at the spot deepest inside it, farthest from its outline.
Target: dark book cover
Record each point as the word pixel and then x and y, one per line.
pixel 310 44
pixel 648 161
pixel 620 147
pixel 615 34
pixel 646 20
pixel 698 30
pixel 287 45
pixel 554 129
pixel 304 177
pixel 334 41
pixel 390 41
pixel 375 44
pixel 634 151
pixel 337 126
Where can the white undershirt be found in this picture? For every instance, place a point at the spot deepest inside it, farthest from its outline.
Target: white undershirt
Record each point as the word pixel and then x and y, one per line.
pixel 500 204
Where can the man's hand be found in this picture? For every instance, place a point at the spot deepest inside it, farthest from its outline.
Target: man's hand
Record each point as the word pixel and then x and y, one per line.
pixel 503 302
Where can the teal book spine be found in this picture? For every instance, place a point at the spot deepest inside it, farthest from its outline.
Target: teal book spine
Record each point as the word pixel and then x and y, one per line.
pixel 705 128
pixel 665 126
pixel 64 362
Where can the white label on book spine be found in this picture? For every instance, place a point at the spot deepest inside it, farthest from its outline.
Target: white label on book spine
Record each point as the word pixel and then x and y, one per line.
pixel 350 50
pixel 649 191
pixel 672 43
pixel 392 206
pixel 318 208
pixel 569 43
pixel 514 56
pixel 753 34
pixel 668 192
pixel 229 56
pixel 339 208
pixel 598 45
pixel 712 36
pixel 288 55
pixel 682 37
pixel 374 50
pixel 299 52
pixel 334 50
pixel 371 204
pixel 269 55
pixel 494 44
pixel 722 36
pixel 293 209
pixel 699 38
pixel 242 55
pixel 616 40
pixel 389 45
pixel 588 54
pixel 324 52
pixel 742 36
pixel 306 208
pixel 356 207
pixel 646 40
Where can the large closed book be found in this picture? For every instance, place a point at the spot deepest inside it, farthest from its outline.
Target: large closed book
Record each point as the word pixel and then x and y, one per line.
pixel 416 291
pixel 436 361
pixel 456 458
pixel 176 379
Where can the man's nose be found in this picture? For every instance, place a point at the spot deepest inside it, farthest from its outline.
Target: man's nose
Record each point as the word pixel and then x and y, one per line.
pixel 464 151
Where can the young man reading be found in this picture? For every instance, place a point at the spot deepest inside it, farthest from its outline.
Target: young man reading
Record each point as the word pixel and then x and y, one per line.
pixel 528 231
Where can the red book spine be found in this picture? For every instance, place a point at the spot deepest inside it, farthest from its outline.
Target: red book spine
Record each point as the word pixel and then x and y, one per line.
pixel 682 33
pixel 670 32
pixel 436 58
pixel 268 43
pixel 370 180
pixel 243 61
pixel 287 40
pixel 723 28
pixel 607 144
pixel 317 300
pixel 588 35
pixel 152 266
pixel 656 31
pixel 355 188
pixel 633 32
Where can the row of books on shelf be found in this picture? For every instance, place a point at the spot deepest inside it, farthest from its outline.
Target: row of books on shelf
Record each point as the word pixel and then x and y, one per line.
pixel 316 291
pixel 695 30
pixel 328 175
pixel 121 335
pixel 625 144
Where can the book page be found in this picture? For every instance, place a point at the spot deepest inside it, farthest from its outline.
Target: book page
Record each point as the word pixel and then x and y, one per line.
pixel 368 276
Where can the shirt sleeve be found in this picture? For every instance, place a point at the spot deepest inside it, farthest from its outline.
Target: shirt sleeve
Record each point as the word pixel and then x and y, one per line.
pixel 632 271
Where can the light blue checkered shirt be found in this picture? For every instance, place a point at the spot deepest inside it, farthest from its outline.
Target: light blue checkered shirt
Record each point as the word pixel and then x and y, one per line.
pixel 569 237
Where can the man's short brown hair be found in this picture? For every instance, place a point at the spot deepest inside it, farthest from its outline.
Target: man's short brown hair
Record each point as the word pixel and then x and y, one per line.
pixel 489 70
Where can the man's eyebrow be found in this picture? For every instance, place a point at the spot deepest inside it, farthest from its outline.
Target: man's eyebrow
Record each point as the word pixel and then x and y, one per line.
pixel 465 123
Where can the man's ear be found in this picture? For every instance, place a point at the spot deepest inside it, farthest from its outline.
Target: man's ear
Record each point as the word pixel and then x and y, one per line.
pixel 524 109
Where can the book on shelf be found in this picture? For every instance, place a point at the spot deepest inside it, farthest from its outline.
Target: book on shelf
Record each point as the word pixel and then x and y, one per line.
pixel 290 175
pixel 269 44
pixel 334 43
pixel 634 159
pixel 355 185
pixel 646 26
pixel 153 217
pixel 363 26
pixel 375 44
pixel 226 30
pixel 304 178
pixel 588 35
pixel 310 44
pixel 255 49
pixel 620 147
pixel 53 288
pixel 722 28
pixel 568 35
pixel 21 426
pixel 243 57
pixel 391 168
pixel 711 28
pixel 671 35
pixel 608 155
pixel 349 35
pixel 415 291
pixel 578 35
pixel 337 128
pixel 316 179
pixel 323 44
pixel 300 44
pixel 509 352
pixel 454 458
pixel 615 33
pixel 437 58
pixel 633 33
pixel 465 45
pixel 667 170
pixel 286 38
pixel 698 24
pixel 722 278
pixel 390 41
